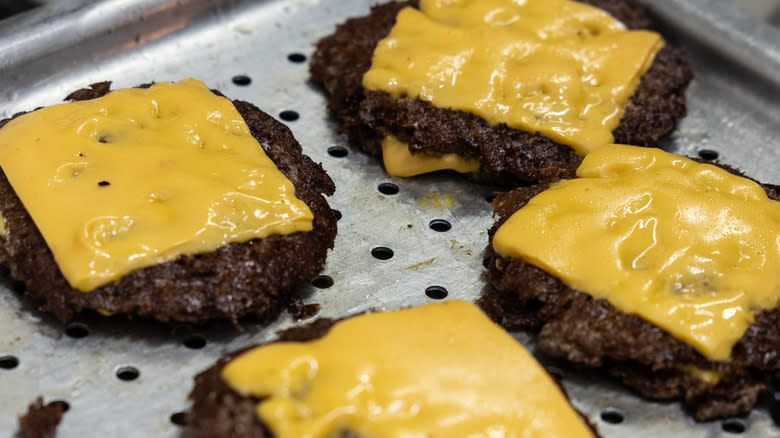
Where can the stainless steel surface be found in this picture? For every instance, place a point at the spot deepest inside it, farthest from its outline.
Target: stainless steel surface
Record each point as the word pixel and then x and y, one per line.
pixel 733 110
pixel 768 10
pixel 726 28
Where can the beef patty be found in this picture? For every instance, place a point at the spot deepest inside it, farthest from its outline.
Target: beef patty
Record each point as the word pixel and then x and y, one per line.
pixel 257 277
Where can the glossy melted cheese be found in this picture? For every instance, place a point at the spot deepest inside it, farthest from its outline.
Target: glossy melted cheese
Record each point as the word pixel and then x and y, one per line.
pixel 688 247
pixel 440 370
pixel 141 176
pixel 710 377
pixel 555 67
pixel 400 162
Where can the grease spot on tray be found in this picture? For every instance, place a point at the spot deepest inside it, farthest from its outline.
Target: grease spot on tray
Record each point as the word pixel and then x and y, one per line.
pixel 421 264
pixel 434 200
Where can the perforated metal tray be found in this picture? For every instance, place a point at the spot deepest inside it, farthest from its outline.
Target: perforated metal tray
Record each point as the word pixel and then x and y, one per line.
pixel 66 45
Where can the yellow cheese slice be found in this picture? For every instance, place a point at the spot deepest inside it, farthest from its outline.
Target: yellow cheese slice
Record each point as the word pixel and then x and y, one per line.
pixel 400 162
pixel 141 176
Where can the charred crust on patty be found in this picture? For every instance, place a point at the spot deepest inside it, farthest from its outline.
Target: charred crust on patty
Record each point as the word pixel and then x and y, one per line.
pixel 508 156
pixel 257 277
pixel 581 329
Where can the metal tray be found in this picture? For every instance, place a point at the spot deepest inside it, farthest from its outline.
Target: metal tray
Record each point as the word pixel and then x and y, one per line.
pixel 44 54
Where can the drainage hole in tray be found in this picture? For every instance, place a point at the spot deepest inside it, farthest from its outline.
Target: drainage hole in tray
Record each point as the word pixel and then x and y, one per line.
pixel 194 342
pixel 127 373
pixel 436 292
pixel 338 151
pixel 8 362
pixel 709 154
pixel 612 416
pixel 322 282
pixel 18 287
pixel 440 225
pixel 388 188
pixel 289 115
pixel 65 406
pixel 242 80
pixel 336 213
pixel 297 58
pixel 491 196
pixel 76 330
pixel 382 253
pixel 733 426
pixel 179 418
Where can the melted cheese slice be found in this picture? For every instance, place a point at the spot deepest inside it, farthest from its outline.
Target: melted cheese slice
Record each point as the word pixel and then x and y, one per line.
pixel 400 162
pixel 440 370
pixel 141 176
pixel 688 247
pixel 555 67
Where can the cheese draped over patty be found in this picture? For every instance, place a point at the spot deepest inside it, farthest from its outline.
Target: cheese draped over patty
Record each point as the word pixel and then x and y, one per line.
pixel 399 161
pixel 559 68
pixel 441 370
pixel 141 176
pixel 689 247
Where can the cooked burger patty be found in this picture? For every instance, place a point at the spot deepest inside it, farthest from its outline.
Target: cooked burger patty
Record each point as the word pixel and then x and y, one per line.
pixel 220 412
pixel 581 329
pixel 506 155
pixel 256 277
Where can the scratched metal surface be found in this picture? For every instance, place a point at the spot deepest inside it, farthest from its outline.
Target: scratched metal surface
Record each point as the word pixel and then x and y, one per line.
pixel 68 44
